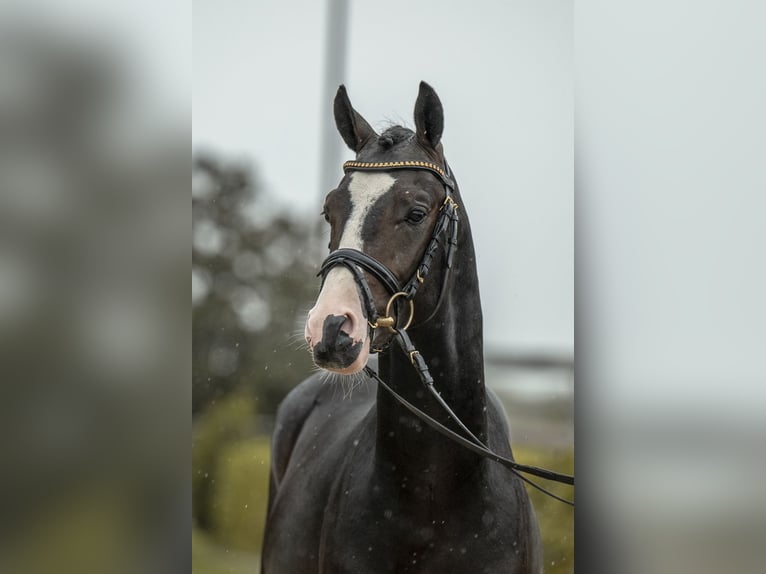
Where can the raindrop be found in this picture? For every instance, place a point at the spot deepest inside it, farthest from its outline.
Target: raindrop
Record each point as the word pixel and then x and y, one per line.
pixel 356 442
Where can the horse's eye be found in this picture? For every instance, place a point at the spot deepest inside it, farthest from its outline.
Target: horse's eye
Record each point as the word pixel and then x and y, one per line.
pixel 416 216
pixel 325 215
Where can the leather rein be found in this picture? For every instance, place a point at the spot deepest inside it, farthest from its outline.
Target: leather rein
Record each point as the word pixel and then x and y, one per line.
pixel 357 262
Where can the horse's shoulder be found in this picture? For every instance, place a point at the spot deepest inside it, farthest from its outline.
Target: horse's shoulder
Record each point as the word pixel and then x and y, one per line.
pixel 498 418
pixel 292 413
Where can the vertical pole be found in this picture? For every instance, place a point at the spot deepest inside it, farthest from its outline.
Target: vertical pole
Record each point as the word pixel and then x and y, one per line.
pixel 334 74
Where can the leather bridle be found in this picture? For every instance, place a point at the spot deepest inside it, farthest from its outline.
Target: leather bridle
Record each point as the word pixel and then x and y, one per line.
pixel 357 262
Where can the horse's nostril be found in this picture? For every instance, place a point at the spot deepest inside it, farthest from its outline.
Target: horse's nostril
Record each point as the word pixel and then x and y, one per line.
pixel 332 329
pixel 336 348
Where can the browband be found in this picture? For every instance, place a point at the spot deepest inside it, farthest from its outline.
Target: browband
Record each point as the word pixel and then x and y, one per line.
pixel 436 169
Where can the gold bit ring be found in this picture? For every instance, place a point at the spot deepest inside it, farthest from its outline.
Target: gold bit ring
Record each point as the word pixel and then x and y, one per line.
pixel 393 298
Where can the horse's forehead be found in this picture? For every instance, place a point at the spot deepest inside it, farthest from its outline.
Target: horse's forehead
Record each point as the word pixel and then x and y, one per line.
pixel 365 189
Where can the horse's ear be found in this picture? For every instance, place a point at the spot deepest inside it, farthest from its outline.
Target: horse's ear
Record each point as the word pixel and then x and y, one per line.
pixel 353 128
pixel 429 116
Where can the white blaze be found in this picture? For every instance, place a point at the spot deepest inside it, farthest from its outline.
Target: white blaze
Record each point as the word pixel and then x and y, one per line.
pixel 339 295
pixel 365 190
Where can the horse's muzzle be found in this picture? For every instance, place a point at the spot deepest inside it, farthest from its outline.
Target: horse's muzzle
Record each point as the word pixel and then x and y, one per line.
pixel 336 328
pixel 337 350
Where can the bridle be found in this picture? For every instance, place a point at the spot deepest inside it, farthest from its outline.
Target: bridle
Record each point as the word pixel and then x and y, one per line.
pixel 357 262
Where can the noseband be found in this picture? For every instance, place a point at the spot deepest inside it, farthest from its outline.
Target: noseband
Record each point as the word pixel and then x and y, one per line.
pixel 357 261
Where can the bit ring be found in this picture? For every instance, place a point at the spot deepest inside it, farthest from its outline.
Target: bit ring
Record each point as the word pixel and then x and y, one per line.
pixel 393 298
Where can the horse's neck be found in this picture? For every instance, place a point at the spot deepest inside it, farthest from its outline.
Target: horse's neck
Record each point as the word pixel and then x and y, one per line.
pixel 451 344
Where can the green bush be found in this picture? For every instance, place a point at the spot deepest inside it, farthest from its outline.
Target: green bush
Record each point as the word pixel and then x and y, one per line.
pixel 228 421
pixel 208 557
pixel 240 494
pixel 556 519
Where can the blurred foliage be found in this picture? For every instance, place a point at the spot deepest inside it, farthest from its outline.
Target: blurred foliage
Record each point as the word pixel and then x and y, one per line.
pixel 208 557
pixel 241 494
pixel 230 473
pixel 229 420
pixel 253 274
pixel 556 519
pixel 94 432
pixel 79 532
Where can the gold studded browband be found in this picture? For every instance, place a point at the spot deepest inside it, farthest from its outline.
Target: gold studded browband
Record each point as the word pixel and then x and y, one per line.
pixel 388 165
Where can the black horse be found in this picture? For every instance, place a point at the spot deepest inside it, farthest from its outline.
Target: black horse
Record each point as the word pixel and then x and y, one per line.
pixel 359 484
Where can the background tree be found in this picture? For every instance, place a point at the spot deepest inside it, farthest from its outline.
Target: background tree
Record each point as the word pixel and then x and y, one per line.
pixel 253 273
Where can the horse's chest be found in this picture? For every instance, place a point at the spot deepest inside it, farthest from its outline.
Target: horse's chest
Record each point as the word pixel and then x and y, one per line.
pixel 387 528
pixel 346 518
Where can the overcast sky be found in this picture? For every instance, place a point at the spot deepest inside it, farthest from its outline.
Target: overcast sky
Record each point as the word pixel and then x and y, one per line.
pixel 504 75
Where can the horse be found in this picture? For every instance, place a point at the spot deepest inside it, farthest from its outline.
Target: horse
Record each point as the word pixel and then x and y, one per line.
pixel 359 484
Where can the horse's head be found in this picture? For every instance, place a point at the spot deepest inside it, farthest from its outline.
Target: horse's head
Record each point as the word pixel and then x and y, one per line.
pixel 386 214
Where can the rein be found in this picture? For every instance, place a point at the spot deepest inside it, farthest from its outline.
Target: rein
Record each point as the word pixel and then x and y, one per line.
pixel 357 261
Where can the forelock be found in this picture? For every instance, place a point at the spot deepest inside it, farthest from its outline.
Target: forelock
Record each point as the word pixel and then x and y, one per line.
pixel 394 136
